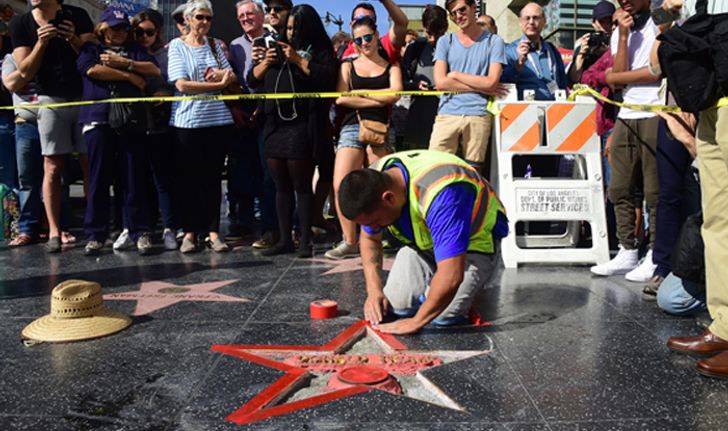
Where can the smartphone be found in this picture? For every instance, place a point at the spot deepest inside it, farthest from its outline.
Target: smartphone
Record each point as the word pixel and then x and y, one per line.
pixel 61 15
pixel 260 42
pixel 661 16
pixel 207 72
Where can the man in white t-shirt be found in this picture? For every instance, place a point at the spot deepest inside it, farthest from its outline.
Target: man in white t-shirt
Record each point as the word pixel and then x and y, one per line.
pixel 634 141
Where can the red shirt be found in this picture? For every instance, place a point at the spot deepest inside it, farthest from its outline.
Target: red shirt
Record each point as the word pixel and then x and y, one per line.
pixel 385 42
pixel 595 77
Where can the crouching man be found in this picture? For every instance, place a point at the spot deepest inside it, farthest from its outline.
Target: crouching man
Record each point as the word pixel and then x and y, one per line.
pixel 449 221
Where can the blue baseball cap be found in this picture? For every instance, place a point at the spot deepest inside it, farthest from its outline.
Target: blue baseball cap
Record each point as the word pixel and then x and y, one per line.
pixel 603 9
pixel 114 16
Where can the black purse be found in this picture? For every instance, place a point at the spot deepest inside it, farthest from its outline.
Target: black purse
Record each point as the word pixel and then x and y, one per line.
pixel 128 118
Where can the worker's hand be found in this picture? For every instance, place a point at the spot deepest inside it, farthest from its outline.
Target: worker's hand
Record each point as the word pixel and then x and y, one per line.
pixel 375 308
pixel 401 326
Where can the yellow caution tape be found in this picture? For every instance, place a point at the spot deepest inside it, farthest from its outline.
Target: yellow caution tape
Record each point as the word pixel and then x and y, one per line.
pixel 580 90
pixel 259 96
pixel 226 97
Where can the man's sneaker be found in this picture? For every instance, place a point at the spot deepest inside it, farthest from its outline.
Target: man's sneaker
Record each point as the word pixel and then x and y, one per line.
pixel 649 292
pixel 644 272
pixel 93 248
pixel 123 241
pixel 343 251
pixel 170 239
pixel 623 262
pixel 144 244
pixel 268 240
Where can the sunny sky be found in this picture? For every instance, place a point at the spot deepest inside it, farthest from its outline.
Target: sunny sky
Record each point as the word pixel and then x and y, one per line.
pixel 343 8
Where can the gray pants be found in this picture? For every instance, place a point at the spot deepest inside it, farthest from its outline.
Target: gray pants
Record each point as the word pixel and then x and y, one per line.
pixel 411 275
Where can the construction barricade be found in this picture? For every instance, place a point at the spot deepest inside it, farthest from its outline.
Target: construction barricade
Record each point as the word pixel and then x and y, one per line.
pixel 547 170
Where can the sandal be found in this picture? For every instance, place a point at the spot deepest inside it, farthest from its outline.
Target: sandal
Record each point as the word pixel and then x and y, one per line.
pixel 21 240
pixel 67 238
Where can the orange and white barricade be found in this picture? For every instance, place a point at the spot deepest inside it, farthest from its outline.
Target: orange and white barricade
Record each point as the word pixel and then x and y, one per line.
pixel 537 129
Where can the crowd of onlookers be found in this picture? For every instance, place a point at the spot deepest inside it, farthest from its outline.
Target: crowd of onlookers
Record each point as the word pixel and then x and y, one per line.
pixel 284 158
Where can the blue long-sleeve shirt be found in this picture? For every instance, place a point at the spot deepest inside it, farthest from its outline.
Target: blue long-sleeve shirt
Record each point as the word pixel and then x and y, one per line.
pixel 540 68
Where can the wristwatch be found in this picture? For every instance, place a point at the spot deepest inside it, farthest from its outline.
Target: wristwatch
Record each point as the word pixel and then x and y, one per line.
pixel 130 67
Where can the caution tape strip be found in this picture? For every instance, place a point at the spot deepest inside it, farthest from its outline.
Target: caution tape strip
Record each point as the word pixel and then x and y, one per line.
pixel 492 107
pixel 229 97
pixel 580 90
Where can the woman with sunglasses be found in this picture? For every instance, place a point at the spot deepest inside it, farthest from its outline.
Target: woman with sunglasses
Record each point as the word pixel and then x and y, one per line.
pixel 295 131
pixel 198 66
pixel 114 67
pixel 146 30
pixel 369 72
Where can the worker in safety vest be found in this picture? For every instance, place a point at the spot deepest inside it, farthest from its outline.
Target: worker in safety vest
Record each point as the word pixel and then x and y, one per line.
pixel 449 220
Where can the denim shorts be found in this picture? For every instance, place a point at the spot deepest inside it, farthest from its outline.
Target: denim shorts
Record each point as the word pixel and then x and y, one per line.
pixel 349 138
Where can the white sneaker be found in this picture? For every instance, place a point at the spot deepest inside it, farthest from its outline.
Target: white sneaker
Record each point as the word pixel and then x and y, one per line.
pixel 123 241
pixel 623 262
pixel 644 272
pixel 170 239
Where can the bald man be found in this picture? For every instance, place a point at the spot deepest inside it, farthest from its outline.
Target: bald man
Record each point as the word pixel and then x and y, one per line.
pixel 533 63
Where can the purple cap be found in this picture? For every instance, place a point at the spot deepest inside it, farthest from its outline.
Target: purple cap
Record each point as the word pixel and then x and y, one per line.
pixel 114 17
pixel 603 9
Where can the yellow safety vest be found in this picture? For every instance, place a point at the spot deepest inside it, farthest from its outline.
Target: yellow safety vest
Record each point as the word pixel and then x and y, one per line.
pixel 431 171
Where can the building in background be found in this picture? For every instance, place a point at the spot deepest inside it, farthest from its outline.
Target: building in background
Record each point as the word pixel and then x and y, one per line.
pixel 567 20
pixel 414 15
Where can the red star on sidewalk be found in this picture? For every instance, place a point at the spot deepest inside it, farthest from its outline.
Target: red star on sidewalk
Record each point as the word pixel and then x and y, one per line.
pixel 267 403
pixel 155 295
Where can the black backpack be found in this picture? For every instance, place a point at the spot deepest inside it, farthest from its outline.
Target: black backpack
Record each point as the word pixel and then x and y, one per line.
pixel 688 255
pixel 694 58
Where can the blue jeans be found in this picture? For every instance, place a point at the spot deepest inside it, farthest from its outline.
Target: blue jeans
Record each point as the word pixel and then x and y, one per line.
pixel 681 297
pixel 8 173
pixel 30 177
pixel 675 179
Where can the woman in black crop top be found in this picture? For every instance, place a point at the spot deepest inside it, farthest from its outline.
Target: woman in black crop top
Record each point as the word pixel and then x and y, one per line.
pixel 368 72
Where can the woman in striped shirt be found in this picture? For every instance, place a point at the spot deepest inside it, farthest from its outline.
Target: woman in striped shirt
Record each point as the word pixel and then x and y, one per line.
pixel 197 65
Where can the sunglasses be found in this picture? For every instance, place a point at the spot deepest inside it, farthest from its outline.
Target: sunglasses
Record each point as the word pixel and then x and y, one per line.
pixel 207 18
pixel 366 38
pixel 358 17
pixel 276 9
pixel 141 32
pixel 120 27
pixel 462 10
pixel 179 19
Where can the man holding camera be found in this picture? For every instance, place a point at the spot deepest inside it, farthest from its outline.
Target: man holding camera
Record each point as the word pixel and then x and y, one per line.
pixel 533 63
pixel 47 40
pixel 592 46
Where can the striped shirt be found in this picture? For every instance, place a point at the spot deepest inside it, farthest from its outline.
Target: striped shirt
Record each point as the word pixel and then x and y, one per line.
pixel 189 63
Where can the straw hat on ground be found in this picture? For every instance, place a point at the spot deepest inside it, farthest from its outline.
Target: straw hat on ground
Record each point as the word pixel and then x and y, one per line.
pixel 77 313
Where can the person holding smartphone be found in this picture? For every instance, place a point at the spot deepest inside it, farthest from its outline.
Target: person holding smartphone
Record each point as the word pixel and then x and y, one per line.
pixel 295 130
pixel 46 43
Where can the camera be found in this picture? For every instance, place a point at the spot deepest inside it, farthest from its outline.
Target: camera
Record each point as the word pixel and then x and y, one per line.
pixel 268 41
pixel 532 47
pixel 597 40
